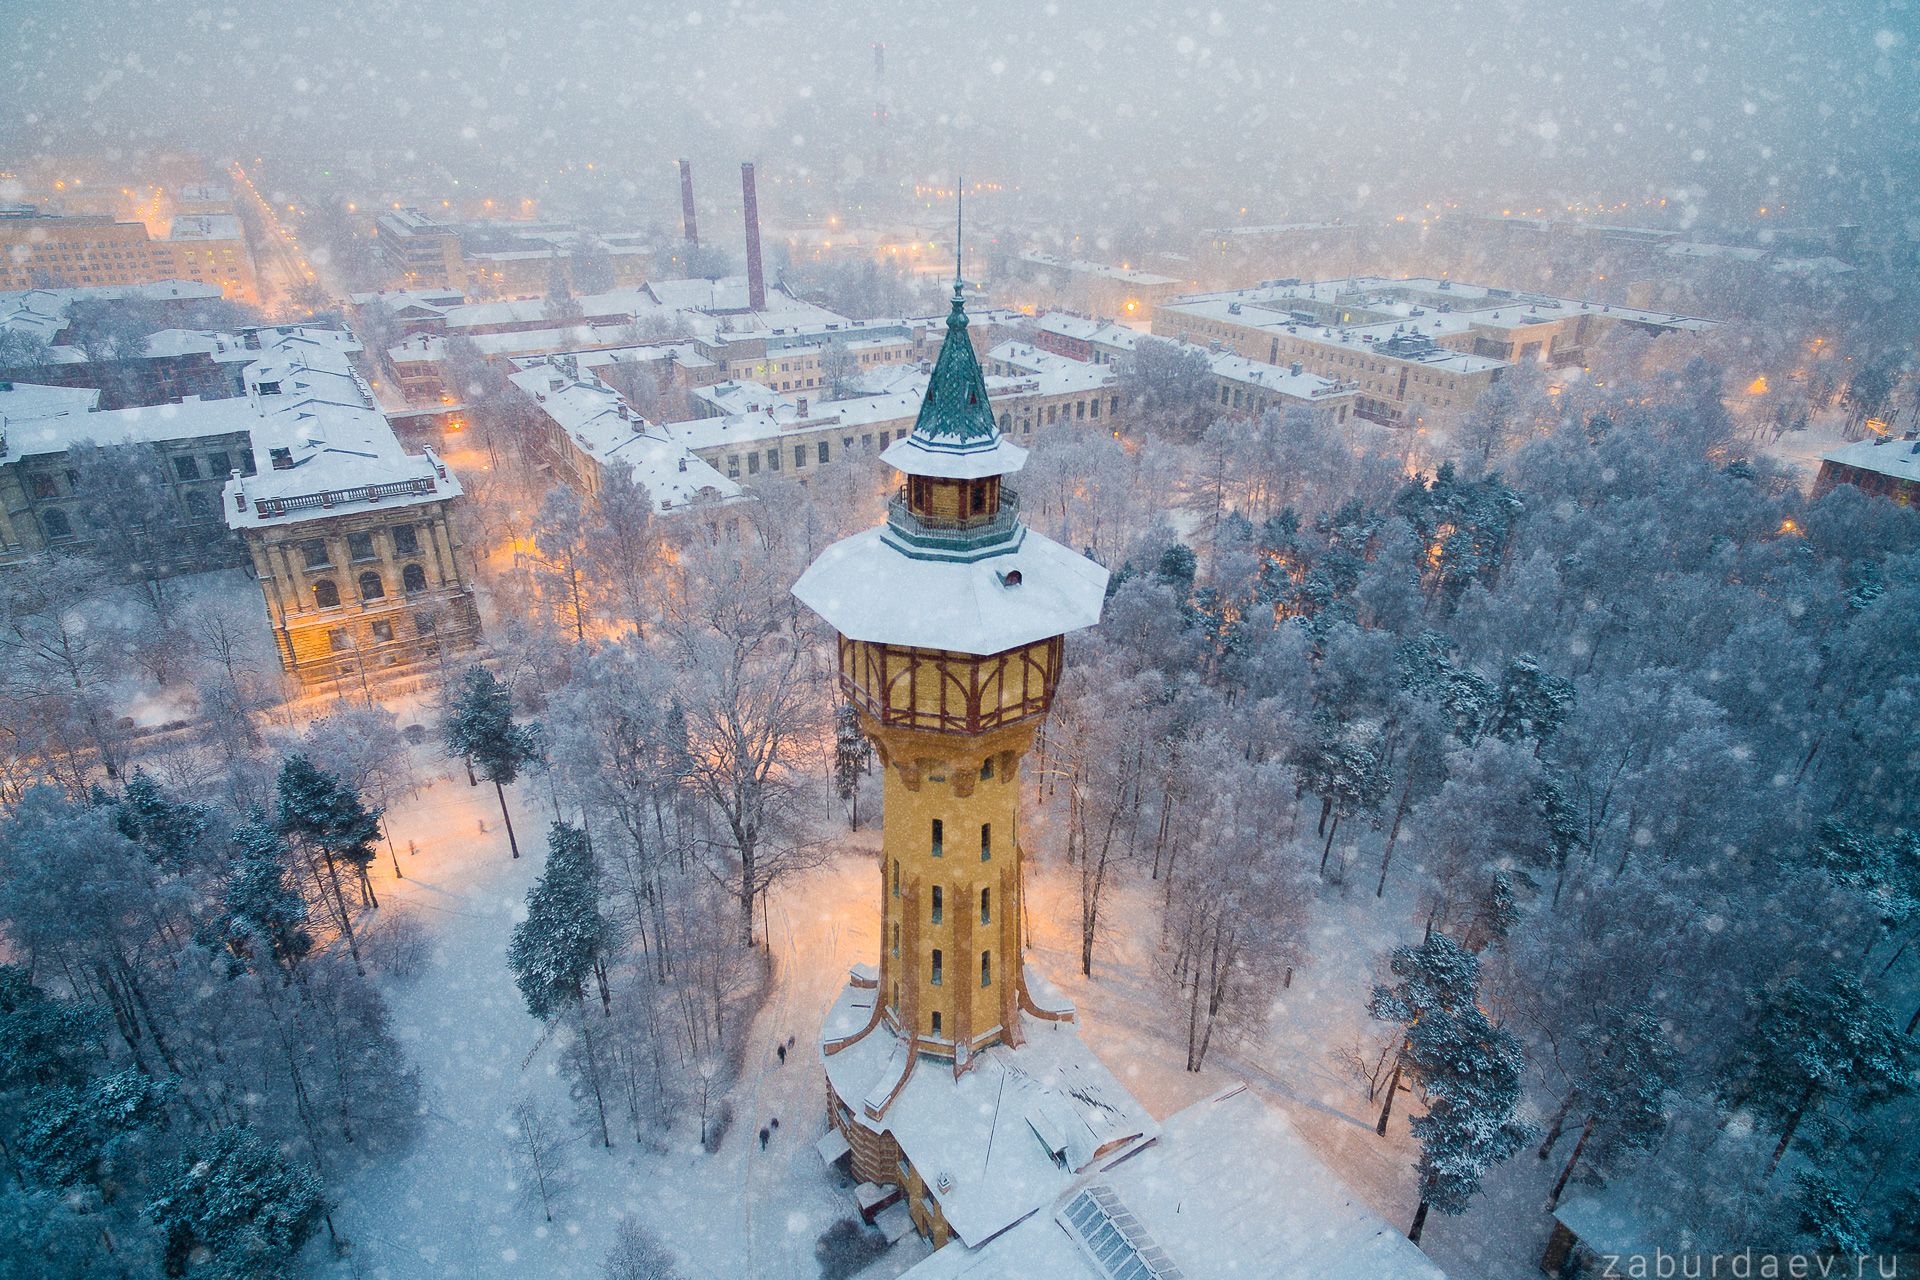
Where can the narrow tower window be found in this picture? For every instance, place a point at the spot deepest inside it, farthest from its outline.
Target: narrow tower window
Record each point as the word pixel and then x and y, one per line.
pixel 896 877
pixel 986 908
pixel 936 966
pixel 986 769
pixel 939 904
pixel 896 937
pixel 936 1022
pixel 938 836
pixel 986 968
pixel 986 842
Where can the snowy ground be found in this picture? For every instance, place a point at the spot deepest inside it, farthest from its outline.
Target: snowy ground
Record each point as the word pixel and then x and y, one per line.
pixel 451 1205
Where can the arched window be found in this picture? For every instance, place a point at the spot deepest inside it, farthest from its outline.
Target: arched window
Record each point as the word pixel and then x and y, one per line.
pixel 371 587
pixel 413 578
pixel 58 526
pixel 325 594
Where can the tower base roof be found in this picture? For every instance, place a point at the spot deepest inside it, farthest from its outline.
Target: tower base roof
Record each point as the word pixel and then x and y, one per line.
pixel 1001 1139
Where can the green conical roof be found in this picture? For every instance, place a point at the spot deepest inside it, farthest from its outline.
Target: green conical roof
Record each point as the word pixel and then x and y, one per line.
pixel 955 416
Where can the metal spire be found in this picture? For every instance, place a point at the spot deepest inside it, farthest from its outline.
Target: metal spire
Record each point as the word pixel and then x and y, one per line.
pixel 959 228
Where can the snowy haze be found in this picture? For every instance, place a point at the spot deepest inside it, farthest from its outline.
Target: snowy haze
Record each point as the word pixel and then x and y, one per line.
pixel 1185 114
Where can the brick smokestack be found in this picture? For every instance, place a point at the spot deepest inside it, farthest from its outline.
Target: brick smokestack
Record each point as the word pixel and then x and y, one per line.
pixel 756 282
pixel 686 203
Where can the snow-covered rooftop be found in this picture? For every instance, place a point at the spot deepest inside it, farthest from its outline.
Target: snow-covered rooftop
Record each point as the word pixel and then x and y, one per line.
pixel 1882 454
pixel 986 1140
pixel 602 424
pixel 1228 1189
pixel 1101 333
pixel 868 589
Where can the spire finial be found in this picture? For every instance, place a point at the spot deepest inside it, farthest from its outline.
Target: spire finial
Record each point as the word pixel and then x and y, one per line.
pixel 959 228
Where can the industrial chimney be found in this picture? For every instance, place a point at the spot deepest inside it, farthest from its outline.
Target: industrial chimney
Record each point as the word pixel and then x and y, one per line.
pixel 756 282
pixel 686 203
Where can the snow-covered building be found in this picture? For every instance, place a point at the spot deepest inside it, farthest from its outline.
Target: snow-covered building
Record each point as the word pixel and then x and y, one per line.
pixel 350 536
pixel 586 427
pixel 958 1084
pixel 1879 465
pixel 960 1092
pixel 1409 347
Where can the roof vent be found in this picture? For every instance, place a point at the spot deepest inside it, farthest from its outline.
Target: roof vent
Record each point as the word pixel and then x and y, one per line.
pixel 1295 368
pixel 944 1182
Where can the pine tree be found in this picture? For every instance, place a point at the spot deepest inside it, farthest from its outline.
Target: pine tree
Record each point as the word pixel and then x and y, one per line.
pixel 1810 1044
pixel 72 1134
pixel 1622 1088
pixel 1830 1217
pixel 564 938
pixel 320 812
pixel 42 1039
pixel 172 832
pixel 262 905
pixel 1437 976
pixel 236 1209
pixel 479 727
pixel 1470 1070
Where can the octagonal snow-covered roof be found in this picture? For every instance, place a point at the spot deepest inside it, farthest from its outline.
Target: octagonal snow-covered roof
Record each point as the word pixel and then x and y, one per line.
pixel 867 589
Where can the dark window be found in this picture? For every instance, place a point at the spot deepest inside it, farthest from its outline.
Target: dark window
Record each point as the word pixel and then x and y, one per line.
pixel 753 464
pixel 986 968
pixel 337 638
pixel 937 970
pixel 360 546
pixel 884 437
pixel 58 526
pixel 383 630
pixel 979 496
pixel 939 904
pixel 314 552
pixel 896 877
pixel 424 625
pixel 936 1022
pixel 199 505
pixel 247 466
pixel 371 588
pixel 406 540
pixel 799 456
pixel 325 594
pixel 986 842
pixel 218 465
pixel 896 937
pixel 938 833
pixel 986 906
pixel 413 578
pixel 43 486
pixel 986 769
pixel 823 451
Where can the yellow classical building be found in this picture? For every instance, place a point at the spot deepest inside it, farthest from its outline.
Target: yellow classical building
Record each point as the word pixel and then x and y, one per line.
pixel 957 1080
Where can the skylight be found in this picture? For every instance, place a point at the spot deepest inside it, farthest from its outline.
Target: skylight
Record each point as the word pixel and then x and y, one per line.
pixel 1117 1241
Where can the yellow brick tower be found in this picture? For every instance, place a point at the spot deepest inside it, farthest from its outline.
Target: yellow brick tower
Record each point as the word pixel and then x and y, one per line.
pixel 950 619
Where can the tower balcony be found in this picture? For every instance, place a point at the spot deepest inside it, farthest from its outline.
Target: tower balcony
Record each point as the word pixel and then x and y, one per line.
pixel 933 537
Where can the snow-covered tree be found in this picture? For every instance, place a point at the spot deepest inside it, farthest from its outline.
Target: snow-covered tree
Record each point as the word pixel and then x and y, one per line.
pixel 237 1209
pixel 479 727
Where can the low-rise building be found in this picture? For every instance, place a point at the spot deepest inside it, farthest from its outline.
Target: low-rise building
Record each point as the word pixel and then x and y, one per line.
pixel 1099 287
pixel 1411 347
pixel 209 248
pixel 1880 465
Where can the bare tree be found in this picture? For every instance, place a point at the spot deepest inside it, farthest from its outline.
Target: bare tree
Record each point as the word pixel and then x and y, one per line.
pixel 538 1149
